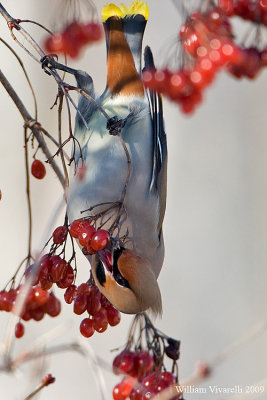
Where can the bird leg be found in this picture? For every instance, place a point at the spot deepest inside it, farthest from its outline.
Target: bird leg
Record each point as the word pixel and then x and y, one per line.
pixel 84 81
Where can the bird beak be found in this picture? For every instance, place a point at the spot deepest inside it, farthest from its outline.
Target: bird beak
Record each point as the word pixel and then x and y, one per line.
pixel 106 257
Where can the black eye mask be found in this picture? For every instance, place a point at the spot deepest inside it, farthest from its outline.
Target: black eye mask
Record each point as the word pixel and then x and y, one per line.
pixel 100 273
pixel 116 273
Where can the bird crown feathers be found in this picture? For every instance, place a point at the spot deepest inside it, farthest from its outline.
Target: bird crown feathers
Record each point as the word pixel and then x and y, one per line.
pixel 137 7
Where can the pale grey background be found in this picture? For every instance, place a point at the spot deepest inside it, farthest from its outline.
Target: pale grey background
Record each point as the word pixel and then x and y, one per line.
pixel 214 277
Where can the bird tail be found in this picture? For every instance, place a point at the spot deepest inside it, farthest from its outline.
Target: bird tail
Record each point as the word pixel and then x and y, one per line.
pixel 124 27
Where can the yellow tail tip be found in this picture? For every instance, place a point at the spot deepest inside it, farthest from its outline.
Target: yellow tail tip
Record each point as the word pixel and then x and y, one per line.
pixel 111 10
pixel 137 7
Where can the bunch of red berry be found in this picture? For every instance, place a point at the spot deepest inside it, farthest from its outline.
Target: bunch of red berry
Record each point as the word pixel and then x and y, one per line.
pixel 137 364
pixel 152 385
pixel 207 42
pixel 251 10
pixel 87 298
pixel 38 303
pixel 144 372
pixel 52 269
pixel 206 39
pixel 74 38
pixel 144 379
pixel 90 239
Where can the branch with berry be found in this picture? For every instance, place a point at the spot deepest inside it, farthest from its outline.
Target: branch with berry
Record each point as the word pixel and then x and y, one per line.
pixel 209 45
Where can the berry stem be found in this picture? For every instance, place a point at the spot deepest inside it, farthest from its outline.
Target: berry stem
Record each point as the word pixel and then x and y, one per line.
pixel 28 193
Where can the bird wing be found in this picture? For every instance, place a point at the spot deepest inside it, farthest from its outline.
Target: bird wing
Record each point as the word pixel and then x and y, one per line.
pixel 159 170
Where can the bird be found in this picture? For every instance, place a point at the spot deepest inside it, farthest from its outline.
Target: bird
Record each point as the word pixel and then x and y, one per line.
pixel 122 145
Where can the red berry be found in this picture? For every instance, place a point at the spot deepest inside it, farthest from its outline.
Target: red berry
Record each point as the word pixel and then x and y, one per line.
pixel 84 288
pixel 59 269
pixel 177 85
pixel 127 385
pixel 53 306
pixel 37 314
pixel 114 316
pixel 46 284
pixel 100 321
pixel 3 300
pixel 40 296
pixel 93 305
pixel 117 395
pixel 123 363
pixel 137 392
pixel 86 233
pixel 26 316
pixel 144 363
pixel 75 228
pixel 227 6
pixel 149 79
pixel 86 327
pixel 38 169
pixel 19 330
pixel 70 294
pixel 100 239
pixel 80 304
pixel 54 43
pixel 45 267
pixel 168 377
pixel 60 234
pixel 93 31
pixel 68 278
pixel 192 42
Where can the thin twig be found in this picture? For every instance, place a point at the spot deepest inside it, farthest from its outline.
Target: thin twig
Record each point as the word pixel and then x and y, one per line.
pixel 31 123
pixel 25 73
pixel 45 382
pixel 60 139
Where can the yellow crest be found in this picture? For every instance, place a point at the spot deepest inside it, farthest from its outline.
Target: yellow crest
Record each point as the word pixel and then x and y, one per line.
pixel 137 7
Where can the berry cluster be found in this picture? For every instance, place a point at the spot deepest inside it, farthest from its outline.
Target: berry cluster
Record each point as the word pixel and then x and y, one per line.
pixel 144 379
pixel 87 298
pixel 52 269
pixel 138 364
pixel 250 10
pixel 74 37
pixel 90 239
pixel 38 303
pixel 251 62
pixel 153 384
pixel 144 372
pixel 207 42
pixel 38 169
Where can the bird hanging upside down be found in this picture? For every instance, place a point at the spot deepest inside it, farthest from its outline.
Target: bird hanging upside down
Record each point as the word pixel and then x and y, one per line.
pixel 125 160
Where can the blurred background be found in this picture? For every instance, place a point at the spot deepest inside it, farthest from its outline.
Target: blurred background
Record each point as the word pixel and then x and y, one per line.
pixel 213 282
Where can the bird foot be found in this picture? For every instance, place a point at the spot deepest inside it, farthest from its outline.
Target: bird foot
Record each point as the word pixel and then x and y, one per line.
pixel 115 125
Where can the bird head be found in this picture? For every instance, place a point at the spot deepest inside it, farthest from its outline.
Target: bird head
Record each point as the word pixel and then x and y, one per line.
pixel 127 281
